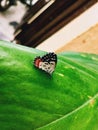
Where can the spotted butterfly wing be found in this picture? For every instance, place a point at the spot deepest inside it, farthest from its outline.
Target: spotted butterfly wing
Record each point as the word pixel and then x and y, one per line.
pixel 47 62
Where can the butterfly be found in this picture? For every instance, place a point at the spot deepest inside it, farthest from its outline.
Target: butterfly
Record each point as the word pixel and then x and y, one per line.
pixel 47 62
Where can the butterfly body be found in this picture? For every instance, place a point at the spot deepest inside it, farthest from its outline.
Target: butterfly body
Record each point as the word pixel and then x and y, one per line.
pixel 46 63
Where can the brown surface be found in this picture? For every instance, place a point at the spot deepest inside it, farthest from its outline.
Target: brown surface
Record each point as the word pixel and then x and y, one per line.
pixel 57 15
pixel 86 42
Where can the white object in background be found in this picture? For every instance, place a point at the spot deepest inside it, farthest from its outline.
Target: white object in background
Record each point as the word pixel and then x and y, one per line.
pixel 76 27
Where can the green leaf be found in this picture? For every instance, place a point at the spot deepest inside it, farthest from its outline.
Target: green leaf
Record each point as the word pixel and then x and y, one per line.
pixel 32 99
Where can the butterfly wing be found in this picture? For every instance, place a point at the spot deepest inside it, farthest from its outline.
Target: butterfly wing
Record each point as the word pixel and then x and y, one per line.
pixel 47 62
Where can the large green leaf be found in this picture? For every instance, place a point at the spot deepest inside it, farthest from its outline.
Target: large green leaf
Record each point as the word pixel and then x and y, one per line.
pixel 31 99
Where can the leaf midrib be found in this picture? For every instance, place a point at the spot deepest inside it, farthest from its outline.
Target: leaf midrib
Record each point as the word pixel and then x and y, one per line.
pixel 70 113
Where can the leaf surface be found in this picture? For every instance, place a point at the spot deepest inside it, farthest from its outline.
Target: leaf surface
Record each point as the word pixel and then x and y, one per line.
pixel 32 99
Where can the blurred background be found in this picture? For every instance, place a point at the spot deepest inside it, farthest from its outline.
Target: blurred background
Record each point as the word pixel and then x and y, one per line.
pixel 51 25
